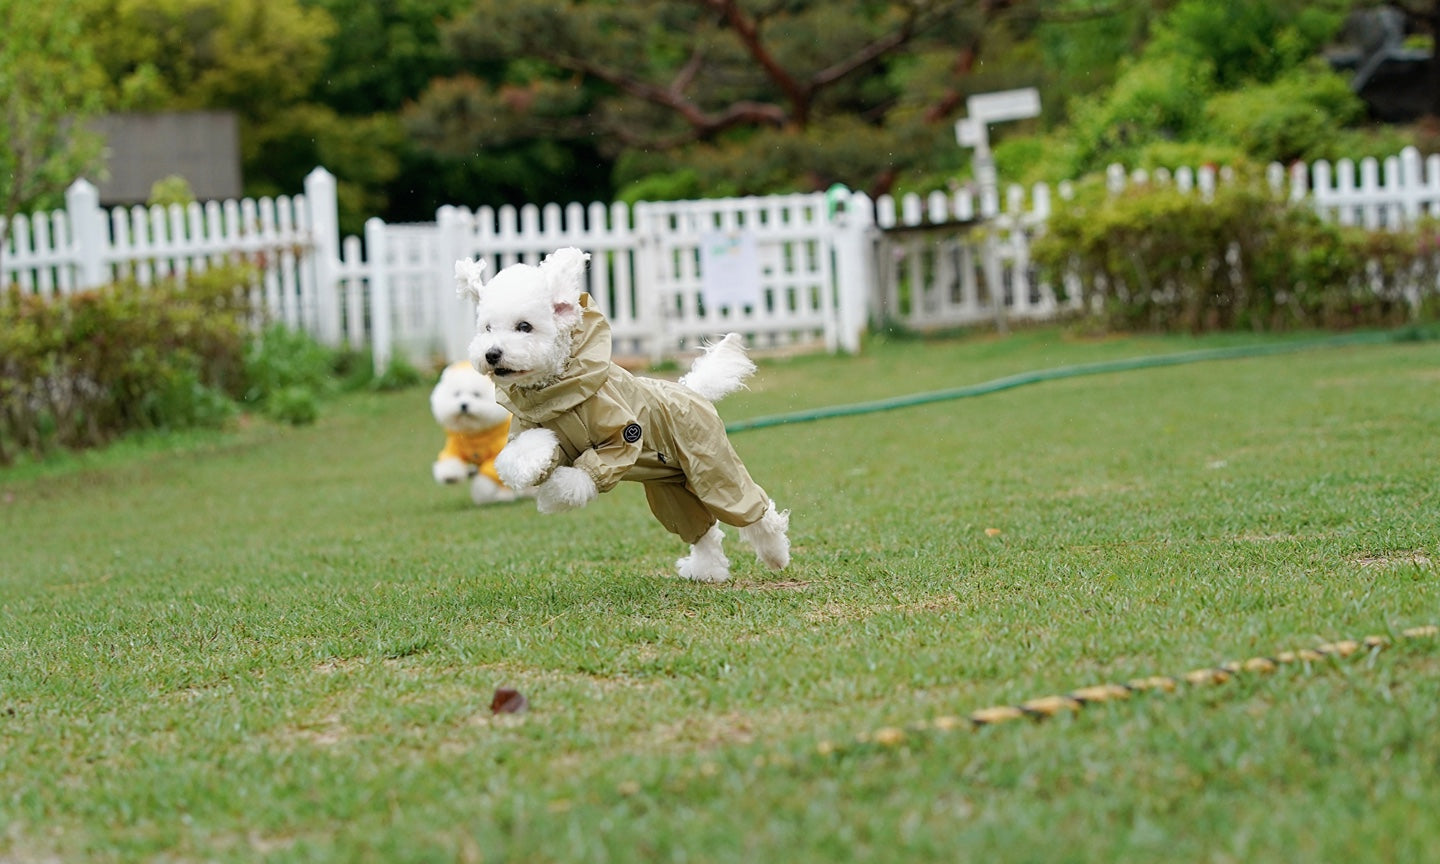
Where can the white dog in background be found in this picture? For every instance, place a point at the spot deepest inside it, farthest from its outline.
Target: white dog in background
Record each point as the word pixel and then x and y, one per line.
pixel 583 423
pixel 476 429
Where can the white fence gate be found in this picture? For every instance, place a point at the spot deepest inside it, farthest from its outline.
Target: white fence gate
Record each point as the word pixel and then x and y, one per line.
pixel 828 265
pixel 645 272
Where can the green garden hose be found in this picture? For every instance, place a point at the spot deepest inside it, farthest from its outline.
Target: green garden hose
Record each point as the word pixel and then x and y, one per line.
pixel 1040 375
pixel 1050 706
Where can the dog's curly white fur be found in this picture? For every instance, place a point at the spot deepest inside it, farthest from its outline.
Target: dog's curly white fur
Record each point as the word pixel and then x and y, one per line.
pixel 770 537
pixel 706 561
pixel 721 370
pixel 526 457
pixel 583 423
pixel 567 489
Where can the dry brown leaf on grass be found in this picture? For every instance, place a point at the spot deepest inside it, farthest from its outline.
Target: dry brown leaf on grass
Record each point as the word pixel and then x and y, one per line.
pixel 508 701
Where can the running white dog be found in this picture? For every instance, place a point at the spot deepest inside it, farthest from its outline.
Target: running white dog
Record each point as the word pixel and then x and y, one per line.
pixel 583 423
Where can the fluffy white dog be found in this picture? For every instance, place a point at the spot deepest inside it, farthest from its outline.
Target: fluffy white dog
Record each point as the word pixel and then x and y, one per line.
pixel 583 423
pixel 476 429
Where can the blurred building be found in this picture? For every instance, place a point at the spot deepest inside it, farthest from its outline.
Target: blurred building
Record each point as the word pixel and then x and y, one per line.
pixel 201 146
pixel 1393 77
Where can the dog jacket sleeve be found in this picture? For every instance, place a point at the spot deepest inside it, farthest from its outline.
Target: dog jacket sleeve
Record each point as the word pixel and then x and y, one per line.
pixel 612 448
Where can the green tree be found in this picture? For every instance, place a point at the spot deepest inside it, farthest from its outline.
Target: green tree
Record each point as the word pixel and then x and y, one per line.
pixel 262 59
pixel 256 57
pixel 1199 50
pixel 729 95
pixel 47 90
pixel 383 54
pixel 380 57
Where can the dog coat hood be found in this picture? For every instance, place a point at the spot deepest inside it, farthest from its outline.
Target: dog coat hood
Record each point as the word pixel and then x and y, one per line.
pixel 586 372
pixel 616 427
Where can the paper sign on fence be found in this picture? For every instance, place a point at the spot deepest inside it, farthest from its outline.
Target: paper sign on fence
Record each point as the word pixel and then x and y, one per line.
pixel 729 270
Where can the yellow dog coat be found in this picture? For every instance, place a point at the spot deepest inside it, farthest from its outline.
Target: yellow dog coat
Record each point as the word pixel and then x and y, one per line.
pixel 477 448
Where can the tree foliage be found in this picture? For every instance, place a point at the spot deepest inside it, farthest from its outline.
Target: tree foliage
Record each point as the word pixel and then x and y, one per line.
pixel 47 89
pixel 1216 81
pixel 381 55
pixel 254 56
pixel 743 94
pixel 263 59
pixel 1424 18
pixel 414 103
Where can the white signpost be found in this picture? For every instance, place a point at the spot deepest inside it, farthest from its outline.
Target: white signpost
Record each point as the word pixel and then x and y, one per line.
pixel 974 131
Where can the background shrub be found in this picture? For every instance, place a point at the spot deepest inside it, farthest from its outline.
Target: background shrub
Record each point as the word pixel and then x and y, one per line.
pixel 286 372
pixel 398 375
pixel 78 371
pixel 1293 117
pixel 295 405
pixel 1155 258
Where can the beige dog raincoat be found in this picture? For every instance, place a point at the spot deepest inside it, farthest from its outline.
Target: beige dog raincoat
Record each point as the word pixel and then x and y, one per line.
pixel 616 427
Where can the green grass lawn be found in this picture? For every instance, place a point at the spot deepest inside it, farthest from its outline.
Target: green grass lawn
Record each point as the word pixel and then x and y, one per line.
pixel 282 644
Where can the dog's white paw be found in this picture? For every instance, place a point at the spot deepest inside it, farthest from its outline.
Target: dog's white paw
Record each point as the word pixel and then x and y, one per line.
pixel 450 470
pixel 706 561
pixel 483 490
pixel 526 457
pixel 769 539
pixel 567 489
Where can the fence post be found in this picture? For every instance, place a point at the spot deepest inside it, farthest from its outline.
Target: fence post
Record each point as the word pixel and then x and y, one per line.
pixel 458 312
pixel 649 284
pixel 854 223
pixel 378 275
pixel 320 197
pixel 89 237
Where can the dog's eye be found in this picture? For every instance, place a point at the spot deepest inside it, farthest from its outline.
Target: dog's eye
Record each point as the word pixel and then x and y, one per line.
pixel 524 327
pixel 487 328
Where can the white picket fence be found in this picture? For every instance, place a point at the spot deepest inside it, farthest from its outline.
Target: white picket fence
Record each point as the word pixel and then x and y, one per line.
pixel 941 260
pixel 84 246
pixel 830 265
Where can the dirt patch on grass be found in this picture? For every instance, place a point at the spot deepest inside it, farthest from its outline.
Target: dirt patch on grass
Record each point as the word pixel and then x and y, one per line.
pixel 338 664
pixel 328 731
pixel 1386 560
pixel 1092 491
pixel 855 612
pixel 1278 537
pixel 705 731
pixel 784 585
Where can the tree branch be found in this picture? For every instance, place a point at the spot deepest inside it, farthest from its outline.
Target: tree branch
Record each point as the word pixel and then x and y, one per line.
pixel 704 124
pixel 748 32
pixel 947 103
pixel 920 17
pixel 687 73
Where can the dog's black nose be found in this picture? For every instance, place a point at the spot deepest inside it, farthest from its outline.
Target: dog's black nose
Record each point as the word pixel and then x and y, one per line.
pixel 492 356
pixel 464 407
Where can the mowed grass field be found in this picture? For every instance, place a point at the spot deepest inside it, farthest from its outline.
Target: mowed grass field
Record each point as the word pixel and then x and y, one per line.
pixel 280 644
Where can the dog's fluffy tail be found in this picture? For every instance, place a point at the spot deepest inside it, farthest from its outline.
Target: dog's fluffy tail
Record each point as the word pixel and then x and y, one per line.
pixel 721 370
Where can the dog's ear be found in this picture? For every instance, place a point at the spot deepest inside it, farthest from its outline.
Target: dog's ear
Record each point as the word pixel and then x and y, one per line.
pixel 564 271
pixel 468 277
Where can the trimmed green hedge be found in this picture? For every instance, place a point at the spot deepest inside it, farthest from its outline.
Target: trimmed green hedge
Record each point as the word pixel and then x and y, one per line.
pixel 79 371
pixel 1154 258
